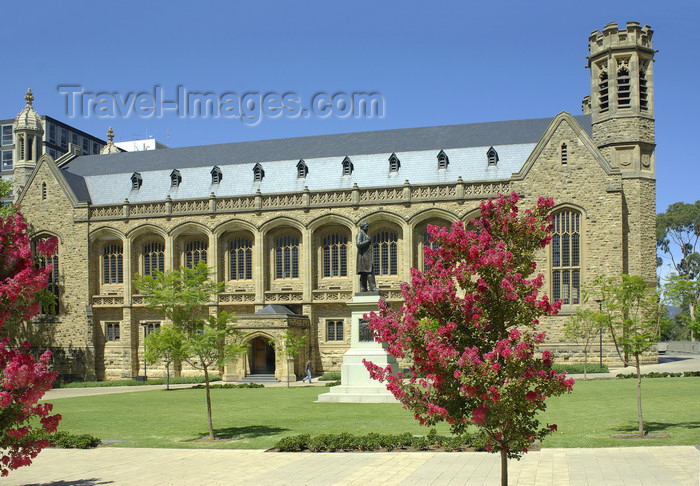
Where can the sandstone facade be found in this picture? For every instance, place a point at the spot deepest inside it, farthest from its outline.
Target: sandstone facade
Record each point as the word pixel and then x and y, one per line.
pixel 295 247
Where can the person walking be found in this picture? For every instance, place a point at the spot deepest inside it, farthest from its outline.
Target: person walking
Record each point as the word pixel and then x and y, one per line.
pixel 308 372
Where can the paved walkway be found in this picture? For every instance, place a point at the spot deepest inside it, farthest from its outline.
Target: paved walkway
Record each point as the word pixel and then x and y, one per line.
pixel 652 466
pixel 638 466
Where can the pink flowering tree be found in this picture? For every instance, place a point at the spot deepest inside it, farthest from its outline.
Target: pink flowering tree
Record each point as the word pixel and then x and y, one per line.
pixel 23 380
pixel 468 325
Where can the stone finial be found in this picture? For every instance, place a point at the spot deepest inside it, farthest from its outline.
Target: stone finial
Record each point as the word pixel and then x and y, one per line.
pixel 110 135
pixel 29 97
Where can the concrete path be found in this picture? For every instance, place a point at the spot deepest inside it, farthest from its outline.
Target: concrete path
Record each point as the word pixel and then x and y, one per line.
pixel 638 466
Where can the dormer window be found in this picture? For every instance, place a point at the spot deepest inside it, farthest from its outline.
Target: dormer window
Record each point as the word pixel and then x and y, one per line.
pixel 442 160
pixel 347 166
pixel 216 175
pixel 175 178
pixel 564 154
pixel 258 173
pixel 394 163
pixel 492 157
pixel 302 169
pixel 136 181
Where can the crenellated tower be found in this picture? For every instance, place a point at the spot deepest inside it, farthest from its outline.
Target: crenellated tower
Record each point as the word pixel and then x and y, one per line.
pixel 622 117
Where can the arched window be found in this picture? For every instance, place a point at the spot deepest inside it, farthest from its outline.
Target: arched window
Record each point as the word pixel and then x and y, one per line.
pixel 216 175
pixel 258 173
pixel 286 256
pixel 153 257
pixel 347 166
pixel 175 178
pixel 443 160
pixel 394 163
pixel 433 245
pixel 564 154
pixel 240 251
pixel 113 264
pixel 52 281
pixel 643 92
pixel 302 169
pixel 43 190
pixel 195 251
pixel 566 257
pixel 335 255
pixel 603 91
pixel 492 156
pixel 385 252
pixel 624 87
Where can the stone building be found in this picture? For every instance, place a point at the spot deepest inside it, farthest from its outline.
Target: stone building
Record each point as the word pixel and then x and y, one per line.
pixel 278 218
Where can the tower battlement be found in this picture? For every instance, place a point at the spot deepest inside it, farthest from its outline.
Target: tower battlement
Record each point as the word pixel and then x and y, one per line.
pixel 634 37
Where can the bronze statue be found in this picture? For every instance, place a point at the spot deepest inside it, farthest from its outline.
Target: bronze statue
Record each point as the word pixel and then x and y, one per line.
pixel 365 260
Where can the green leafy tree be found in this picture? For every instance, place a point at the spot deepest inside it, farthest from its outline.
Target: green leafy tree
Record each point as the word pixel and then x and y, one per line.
pixel 166 344
pixel 678 231
pixel 631 313
pixel 582 327
pixel 182 296
pixel 292 347
pixel 684 292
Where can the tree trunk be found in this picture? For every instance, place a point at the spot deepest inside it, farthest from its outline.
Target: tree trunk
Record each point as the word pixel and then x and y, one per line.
pixel 585 363
pixel 639 395
pixel 167 376
pixel 504 468
pixel 206 383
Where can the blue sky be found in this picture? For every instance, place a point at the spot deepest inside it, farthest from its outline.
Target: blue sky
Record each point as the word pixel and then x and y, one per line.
pixel 434 63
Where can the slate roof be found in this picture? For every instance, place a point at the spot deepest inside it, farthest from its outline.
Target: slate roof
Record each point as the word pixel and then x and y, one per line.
pixel 106 178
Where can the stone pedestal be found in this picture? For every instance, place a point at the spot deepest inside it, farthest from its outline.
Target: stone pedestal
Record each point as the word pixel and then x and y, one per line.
pixel 356 385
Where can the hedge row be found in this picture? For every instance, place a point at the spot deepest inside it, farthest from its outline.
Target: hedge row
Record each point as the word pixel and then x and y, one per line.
pixel 661 374
pixel 371 442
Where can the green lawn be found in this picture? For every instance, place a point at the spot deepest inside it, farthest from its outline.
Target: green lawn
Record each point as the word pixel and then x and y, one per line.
pixel 260 417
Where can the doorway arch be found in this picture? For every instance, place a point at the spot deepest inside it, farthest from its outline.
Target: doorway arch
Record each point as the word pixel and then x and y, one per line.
pixel 261 356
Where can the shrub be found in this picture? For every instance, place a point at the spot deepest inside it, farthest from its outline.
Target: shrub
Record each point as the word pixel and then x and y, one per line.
pixel 330 376
pixel 151 381
pixel 66 440
pixel 371 442
pixel 661 374
pixel 229 385
pixel 577 368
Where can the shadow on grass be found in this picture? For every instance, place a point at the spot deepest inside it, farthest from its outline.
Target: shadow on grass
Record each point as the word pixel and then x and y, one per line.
pixel 656 427
pixel 249 432
pixel 76 482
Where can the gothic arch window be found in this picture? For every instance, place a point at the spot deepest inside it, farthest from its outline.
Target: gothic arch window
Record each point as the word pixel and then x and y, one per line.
pixel 258 173
pixel 112 263
pixel 302 169
pixel 566 257
pixel 347 166
pixel 385 252
pixel 442 160
pixel 564 154
pixel 394 163
pixel 603 100
pixel 43 190
pixel 334 255
pixel 643 91
pixel 136 181
pixel 195 252
pixel 624 85
pixel 153 257
pixel 286 248
pixel 175 178
pixel 240 254
pixel 433 245
pixel 52 280
pixel 216 175
pixel 492 157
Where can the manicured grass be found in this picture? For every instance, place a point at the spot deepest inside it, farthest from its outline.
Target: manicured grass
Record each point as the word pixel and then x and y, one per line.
pixel 260 417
